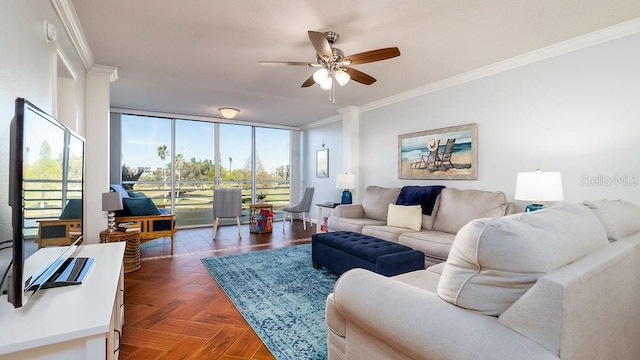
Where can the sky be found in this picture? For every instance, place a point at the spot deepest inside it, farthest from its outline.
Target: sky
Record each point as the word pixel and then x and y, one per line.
pixel 141 137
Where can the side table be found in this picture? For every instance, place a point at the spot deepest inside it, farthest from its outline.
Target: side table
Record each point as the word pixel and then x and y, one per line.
pixel 131 250
pixel 320 207
pixel 260 218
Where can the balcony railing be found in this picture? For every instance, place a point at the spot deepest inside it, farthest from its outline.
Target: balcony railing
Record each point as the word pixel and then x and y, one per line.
pixel 194 199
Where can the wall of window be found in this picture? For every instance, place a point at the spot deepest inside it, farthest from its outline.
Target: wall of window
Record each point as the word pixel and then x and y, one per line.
pixel 179 162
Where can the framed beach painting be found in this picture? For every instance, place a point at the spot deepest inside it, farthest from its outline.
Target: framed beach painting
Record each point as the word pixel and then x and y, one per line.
pixel 448 153
pixel 322 163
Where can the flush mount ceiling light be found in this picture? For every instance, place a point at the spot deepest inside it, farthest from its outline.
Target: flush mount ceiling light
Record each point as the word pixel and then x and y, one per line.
pixel 229 113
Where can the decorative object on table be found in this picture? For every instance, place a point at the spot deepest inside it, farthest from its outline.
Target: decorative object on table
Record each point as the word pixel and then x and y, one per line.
pixel 261 198
pixel 260 218
pixel 281 296
pixel 111 201
pixel 449 153
pixel 322 163
pixel 346 182
pixel 227 203
pixel 302 207
pixel 538 187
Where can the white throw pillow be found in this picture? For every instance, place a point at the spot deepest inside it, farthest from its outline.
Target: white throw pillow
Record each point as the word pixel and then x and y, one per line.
pixel 405 216
pixel 619 218
pixel 493 262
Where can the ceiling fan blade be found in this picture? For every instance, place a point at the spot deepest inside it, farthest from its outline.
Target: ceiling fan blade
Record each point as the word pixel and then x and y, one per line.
pixel 289 63
pixel 359 76
pixel 320 43
pixel 373 55
pixel 308 82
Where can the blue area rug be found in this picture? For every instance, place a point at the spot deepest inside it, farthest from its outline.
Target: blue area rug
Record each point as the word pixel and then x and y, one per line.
pixel 281 296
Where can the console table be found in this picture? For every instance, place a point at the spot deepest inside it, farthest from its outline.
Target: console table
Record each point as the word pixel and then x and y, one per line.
pixel 71 322
pixel 319 207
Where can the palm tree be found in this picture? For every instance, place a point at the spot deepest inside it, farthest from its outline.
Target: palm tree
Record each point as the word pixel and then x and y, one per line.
pixel 162 154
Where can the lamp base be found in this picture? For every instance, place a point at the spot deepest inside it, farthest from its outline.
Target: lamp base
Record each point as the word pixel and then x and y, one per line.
pixel 534 207
pixel 111 222
pixel 347 198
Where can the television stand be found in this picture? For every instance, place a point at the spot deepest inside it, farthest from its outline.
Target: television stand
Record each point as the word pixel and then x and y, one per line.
pixel 69 322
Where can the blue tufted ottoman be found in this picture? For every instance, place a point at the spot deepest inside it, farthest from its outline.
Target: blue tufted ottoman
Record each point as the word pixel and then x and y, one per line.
pixel 343 250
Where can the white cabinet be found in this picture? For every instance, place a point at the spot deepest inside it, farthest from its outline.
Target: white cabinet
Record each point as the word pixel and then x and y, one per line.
pixel 73 322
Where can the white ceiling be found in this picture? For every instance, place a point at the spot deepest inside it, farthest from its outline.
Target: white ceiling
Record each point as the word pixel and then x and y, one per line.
pixel 195 56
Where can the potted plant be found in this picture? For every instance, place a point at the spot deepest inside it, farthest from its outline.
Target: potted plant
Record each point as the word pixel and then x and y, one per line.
pixel 261 196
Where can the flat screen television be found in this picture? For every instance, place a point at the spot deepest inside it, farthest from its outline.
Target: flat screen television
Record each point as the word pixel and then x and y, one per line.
pixel 47 171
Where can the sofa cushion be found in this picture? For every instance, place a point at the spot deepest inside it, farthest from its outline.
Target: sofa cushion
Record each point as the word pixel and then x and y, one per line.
pixel 388 233
pixel 376 200
pixel 405 216
pixel 495 261
pixel 458 207
pixel 138 207
pixel 425 196
pixel 73 210
pixel 619 218
pixel 434 244
pixel 351 224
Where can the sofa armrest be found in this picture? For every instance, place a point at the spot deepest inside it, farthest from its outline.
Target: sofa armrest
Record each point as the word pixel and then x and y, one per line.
pixel 352 211
pixel 419 324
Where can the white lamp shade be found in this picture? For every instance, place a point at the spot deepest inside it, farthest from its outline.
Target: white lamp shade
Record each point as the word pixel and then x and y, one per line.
pixel 111 201
pixel 327 84
pixel 342 77
pixel 321 75
pixel 539 186
pixel 346 181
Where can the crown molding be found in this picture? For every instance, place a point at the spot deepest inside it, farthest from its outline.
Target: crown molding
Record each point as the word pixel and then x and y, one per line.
pixel 594 38
pixel 108 71
pixel 69 19
pixel 322 122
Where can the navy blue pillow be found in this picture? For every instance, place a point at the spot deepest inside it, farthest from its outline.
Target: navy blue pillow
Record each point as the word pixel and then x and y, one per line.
pixel 137 195
pixel 420 195
pixel 73 210
pixel 138 207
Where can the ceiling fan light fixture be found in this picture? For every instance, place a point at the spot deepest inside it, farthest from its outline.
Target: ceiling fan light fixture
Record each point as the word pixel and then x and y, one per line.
pixel 342 77
pixel 228 113
pixel 326 84
pixel 321 75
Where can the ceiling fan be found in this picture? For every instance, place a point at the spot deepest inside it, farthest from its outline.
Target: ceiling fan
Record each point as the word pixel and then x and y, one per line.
pixel 334 65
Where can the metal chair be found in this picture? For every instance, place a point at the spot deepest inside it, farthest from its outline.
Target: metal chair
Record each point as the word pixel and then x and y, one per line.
pixel 227 203
pixel 302 207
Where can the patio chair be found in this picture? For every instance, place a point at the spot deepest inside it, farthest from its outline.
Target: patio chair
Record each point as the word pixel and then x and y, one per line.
pixel 227 203
pixel 302 207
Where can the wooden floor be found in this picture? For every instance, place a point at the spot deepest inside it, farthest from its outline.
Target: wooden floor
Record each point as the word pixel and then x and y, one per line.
pixel 174 309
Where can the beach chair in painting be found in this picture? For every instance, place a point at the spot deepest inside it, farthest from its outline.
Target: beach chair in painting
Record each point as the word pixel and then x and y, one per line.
pixel 446 156
pixel 433 160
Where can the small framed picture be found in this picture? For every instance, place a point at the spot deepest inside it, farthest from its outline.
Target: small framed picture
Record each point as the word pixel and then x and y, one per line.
pixel 322 163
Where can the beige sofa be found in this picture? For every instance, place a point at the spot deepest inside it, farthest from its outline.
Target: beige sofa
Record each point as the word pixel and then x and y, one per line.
pixel 435 233
pixel 542 285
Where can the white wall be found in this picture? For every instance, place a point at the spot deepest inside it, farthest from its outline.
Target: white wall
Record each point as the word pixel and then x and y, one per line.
pixel 576 113
pixel 27 70
pixel 325 188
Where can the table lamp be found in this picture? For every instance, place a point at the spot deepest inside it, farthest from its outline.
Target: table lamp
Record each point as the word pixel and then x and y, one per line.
pixel 346 182
pixel 111 201
pixel 538 187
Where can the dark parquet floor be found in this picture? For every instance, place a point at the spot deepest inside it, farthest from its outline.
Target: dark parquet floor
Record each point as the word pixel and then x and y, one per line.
pixel 174 309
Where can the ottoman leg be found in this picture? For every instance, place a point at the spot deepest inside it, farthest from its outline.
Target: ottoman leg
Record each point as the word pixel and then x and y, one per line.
pixel 317 266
